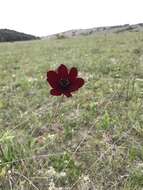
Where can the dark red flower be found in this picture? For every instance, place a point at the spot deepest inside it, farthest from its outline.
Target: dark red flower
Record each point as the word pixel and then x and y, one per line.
pixel 64 81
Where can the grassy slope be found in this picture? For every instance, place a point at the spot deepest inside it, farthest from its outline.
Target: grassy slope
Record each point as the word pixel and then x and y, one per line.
pixel 105 118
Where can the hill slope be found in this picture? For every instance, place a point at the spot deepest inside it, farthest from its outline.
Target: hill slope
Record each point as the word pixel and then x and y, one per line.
pixel 97 30
pixel 7 35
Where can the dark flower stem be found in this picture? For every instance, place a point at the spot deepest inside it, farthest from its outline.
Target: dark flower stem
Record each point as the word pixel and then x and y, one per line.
pixel 56 110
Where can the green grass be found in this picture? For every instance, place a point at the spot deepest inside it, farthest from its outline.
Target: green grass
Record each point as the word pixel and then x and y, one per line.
pixel 96 141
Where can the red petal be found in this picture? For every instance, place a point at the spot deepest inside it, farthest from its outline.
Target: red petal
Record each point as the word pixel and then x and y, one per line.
pixel 78 83
pixel 55 92
pixel 67 94
pixel 62 71
pixel 52 78
pixel 73 73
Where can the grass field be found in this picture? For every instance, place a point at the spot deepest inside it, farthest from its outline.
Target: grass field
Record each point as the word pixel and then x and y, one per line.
pixel 94 140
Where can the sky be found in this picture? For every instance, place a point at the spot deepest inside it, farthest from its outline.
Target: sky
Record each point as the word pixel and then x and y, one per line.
pixel 45 17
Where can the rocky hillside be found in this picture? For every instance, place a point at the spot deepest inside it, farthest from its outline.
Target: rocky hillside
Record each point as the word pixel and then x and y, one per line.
pixel 7 35
pixel 85 32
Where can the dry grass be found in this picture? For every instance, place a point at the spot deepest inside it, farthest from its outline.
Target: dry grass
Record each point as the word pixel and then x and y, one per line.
pixel 96 141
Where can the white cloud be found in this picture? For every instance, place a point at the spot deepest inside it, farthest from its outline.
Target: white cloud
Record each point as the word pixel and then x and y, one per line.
pixel 43 17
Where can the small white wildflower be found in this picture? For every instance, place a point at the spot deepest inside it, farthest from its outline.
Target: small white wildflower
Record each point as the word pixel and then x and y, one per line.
pixel 86 178
pixel 31 79
pixel 51 171
pixel 62 174
pixel 52 185
pixel 66 161
pixel 113 60
pixel 9 171
pixel 51 136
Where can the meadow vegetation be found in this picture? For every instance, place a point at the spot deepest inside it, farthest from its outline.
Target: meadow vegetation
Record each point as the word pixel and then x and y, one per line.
pixel 96 139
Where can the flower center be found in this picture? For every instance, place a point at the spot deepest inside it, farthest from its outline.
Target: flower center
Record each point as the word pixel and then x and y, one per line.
pixel 64 83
